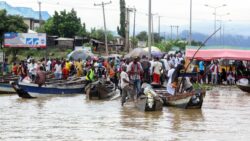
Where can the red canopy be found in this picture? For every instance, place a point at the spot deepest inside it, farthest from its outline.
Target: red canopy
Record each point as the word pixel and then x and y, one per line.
pixel 218 52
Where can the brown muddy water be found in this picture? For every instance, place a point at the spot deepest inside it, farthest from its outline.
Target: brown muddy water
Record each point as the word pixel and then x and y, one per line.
pixel 225 115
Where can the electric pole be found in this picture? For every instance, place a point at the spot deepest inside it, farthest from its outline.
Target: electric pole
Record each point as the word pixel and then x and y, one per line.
pixel 127 44
pixel 159 26
pixel 149 28
pixel 105 28
pixel 134 28
pixel 40 14
pixel 177 30
pixel 153 39
pixel 171 32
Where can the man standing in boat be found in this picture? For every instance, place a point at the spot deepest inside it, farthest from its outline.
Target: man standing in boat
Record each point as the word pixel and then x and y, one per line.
pixel 40 76
pixel 135 70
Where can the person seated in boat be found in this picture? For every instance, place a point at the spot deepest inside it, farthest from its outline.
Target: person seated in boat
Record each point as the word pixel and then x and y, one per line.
pixel 40 77
pixel 177 72
pixel 126 89
pixel 230 76
pixel 170 88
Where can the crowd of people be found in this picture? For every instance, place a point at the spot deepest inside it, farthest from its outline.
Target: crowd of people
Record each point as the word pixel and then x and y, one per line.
pixel 127 74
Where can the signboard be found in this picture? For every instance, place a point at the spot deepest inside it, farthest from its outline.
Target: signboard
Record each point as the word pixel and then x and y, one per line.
pixel 1 57
pixel 27 40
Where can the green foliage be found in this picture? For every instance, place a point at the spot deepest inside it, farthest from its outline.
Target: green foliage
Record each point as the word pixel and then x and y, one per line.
pixel 64 24
pixel 142 36
pixel 99 34
pixel 134 41
pixel 157 38
pixel 121 29
pixel 10 23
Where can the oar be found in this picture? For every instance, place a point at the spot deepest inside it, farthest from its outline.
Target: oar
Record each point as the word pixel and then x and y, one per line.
pixel 192 59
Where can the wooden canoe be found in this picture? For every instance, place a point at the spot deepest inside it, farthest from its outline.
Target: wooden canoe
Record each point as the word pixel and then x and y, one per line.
pixel 100 90
pixel 141 104
pixel 188 100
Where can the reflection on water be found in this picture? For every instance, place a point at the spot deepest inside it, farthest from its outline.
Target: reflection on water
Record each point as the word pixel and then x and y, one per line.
pixel 224 116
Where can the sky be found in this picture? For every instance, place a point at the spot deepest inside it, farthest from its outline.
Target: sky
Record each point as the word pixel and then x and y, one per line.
pixel 172 12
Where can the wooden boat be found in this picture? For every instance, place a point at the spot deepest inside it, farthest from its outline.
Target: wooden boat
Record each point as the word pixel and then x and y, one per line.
pixel 31 90
pixel 149 99
pixel 142 105
pixel 244 85
pixel 187 100
pixel 5 86
pixel 100 90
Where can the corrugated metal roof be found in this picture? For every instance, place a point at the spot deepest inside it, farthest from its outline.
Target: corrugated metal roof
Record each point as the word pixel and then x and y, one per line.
pixel 26 12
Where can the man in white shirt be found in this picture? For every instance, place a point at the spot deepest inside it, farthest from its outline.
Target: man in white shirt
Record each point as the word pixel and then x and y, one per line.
pixel 58 70
pixel 32 69
pixel 170 88
pixel 125 85
pixel 48 65
pixel 157 67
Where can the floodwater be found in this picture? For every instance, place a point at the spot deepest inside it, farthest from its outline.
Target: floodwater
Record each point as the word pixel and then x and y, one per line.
pixel 225 115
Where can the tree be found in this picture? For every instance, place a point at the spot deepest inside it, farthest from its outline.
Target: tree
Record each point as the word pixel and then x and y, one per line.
pixel 11 23
pixel 121 30
pixel 142 36
pixel 99 35
pixel 157 38
pixel 64 24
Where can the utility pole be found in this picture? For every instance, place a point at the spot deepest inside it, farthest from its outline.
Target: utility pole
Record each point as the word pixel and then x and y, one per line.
pixel 171 32
pixel 177 30
pixel 105 28
pixel 127 44
pixel 134 27
pixel 190 25
pixel 153 39
pixel 40 14
pixel 159 25
pixel 149 28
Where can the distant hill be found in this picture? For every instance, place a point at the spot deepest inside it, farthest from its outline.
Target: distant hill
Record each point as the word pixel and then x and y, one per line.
pixel 26 12
pixel 231 40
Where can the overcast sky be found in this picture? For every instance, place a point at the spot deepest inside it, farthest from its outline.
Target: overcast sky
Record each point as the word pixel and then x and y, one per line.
pixel 173 12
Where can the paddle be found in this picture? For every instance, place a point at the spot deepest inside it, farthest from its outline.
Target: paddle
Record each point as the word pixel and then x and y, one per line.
pixel 192 59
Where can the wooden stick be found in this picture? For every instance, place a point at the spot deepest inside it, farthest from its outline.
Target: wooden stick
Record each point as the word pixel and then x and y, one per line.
pixel 196 53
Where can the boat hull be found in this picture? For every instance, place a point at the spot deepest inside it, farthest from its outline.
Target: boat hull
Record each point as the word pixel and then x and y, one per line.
pixel 25 90
pixel 244 88
pixel 100 91
pixel 141 104
pixel 191 100
pixel 6 88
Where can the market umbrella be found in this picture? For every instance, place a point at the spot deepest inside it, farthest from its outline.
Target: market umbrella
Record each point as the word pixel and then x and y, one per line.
pixel 80 54
pixel 157 54
pixel 153 48
pixel 137 52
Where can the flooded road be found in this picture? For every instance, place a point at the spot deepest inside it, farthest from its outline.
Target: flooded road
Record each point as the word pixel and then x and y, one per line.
pixel 225 115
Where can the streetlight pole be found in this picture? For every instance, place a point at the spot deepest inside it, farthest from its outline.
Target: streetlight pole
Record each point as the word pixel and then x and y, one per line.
pixel 215 11
pixel 153 38
pixel 159 25
pixel 134 28
pixel 149 27
pixel 221 20
pixel 190 28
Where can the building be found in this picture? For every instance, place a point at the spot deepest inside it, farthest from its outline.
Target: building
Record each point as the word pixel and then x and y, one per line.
pixel 31 17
